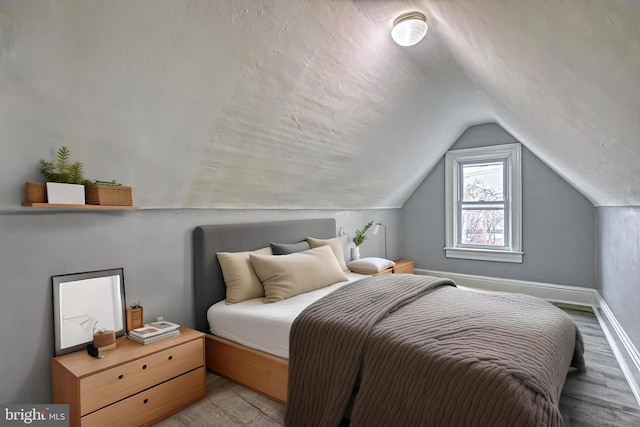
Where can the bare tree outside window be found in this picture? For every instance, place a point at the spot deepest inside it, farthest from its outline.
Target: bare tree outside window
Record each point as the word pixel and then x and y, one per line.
pixel 483 205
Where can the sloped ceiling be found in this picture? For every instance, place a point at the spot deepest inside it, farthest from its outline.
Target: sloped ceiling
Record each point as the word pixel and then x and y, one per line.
pixel 564 78
pixel 303 104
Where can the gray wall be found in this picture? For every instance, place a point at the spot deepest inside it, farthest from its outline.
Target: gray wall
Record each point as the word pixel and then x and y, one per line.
pixel 618 265
pixel 558 223
pixel 153 247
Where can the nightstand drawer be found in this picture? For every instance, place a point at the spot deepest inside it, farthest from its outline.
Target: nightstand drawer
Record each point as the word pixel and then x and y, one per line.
pixel 151 404
pixel 106 387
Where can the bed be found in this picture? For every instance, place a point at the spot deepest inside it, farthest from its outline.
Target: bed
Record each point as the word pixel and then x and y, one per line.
pixel 257 370
pixel 267 371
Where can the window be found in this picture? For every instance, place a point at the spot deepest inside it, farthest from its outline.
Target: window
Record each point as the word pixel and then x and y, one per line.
pixel 484 203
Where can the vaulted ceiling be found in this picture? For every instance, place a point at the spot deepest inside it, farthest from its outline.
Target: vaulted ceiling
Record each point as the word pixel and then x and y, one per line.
pixel 309 104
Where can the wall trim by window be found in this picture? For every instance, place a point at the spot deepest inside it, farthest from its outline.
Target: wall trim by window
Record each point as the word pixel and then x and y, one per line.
pixel 512 251
pixel 484 254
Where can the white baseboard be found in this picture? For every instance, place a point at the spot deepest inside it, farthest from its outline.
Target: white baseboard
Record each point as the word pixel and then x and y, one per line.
pixel 550 292
pixel 629 359
pixel 568 295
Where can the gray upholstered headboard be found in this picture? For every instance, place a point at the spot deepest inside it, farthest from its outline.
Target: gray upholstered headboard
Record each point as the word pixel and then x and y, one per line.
pixel 209 239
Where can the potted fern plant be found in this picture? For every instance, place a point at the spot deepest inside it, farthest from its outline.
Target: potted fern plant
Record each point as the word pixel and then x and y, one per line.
pixel 358 239
pixel 65 181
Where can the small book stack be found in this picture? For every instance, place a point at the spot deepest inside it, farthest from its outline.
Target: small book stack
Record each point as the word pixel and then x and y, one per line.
pixel 154 331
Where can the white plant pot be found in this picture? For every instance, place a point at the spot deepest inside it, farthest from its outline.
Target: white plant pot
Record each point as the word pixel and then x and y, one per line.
pixel 65 194
pixel 355 253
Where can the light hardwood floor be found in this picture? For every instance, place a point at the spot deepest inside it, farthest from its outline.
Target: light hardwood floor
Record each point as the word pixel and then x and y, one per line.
pixel 599 397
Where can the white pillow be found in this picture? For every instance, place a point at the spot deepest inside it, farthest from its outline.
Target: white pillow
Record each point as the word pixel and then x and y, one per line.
pixel 370 265
pixel 285 276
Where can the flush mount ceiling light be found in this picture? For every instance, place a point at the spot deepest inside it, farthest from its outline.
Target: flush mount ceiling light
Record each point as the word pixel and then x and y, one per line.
pixel 409 28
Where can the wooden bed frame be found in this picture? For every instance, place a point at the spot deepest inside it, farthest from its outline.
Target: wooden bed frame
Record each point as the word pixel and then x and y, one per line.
pixel 259 371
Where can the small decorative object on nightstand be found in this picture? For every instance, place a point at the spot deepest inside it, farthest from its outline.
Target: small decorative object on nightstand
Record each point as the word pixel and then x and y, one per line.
pixel 104 340
pixel 135 317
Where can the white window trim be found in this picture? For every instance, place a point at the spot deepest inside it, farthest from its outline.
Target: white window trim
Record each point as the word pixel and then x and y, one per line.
pixel 513 154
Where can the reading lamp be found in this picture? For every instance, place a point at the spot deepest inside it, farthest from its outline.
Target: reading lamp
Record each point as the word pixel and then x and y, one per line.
pixel 375 231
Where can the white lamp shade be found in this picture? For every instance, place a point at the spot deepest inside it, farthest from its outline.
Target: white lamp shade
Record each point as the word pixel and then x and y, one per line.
pixel 409 29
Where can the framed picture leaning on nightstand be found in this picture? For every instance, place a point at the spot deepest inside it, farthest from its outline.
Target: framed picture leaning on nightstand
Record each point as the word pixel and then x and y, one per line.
pixel 84 303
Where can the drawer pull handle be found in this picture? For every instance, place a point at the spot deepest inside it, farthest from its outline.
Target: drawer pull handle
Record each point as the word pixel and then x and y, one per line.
pixel 146 400
pixel 120 376
pixel 144 366
pixel 170 357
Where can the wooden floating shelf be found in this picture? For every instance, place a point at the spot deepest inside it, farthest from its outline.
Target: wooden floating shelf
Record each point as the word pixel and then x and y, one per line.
pixel 85 207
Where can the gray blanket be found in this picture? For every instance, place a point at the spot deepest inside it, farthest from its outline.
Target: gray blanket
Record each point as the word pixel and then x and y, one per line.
pixel 429 354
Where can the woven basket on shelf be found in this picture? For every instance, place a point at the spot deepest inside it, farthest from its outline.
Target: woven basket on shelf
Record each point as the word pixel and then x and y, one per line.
pixel 108 195
pixel 35 192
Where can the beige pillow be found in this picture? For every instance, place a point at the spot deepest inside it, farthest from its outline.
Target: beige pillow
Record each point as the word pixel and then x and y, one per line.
pixel 285 276
pixel 242 282
pixel 336 246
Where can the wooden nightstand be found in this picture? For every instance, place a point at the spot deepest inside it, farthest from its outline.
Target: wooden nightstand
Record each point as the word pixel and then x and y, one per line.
pixel 133 384
pixel 403 266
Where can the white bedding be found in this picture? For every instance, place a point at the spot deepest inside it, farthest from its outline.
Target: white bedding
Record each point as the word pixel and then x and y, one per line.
pixel 261 326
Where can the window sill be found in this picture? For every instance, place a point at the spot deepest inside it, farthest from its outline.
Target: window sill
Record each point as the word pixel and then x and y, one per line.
pixel 484 255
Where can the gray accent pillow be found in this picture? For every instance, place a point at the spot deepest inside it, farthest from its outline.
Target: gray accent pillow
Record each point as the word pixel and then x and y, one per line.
pixel 289 248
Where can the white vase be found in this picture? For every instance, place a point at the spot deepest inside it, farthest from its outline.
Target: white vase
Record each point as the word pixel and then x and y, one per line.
pixel 355 253
pixel 65 194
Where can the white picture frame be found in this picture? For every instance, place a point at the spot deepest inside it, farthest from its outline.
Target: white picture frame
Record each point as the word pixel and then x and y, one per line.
pixel 84 303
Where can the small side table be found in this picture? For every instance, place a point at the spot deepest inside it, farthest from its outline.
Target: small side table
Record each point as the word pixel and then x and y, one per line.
pixel 403 266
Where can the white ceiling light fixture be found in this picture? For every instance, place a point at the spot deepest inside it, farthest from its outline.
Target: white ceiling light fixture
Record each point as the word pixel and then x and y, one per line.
pixel 409 28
